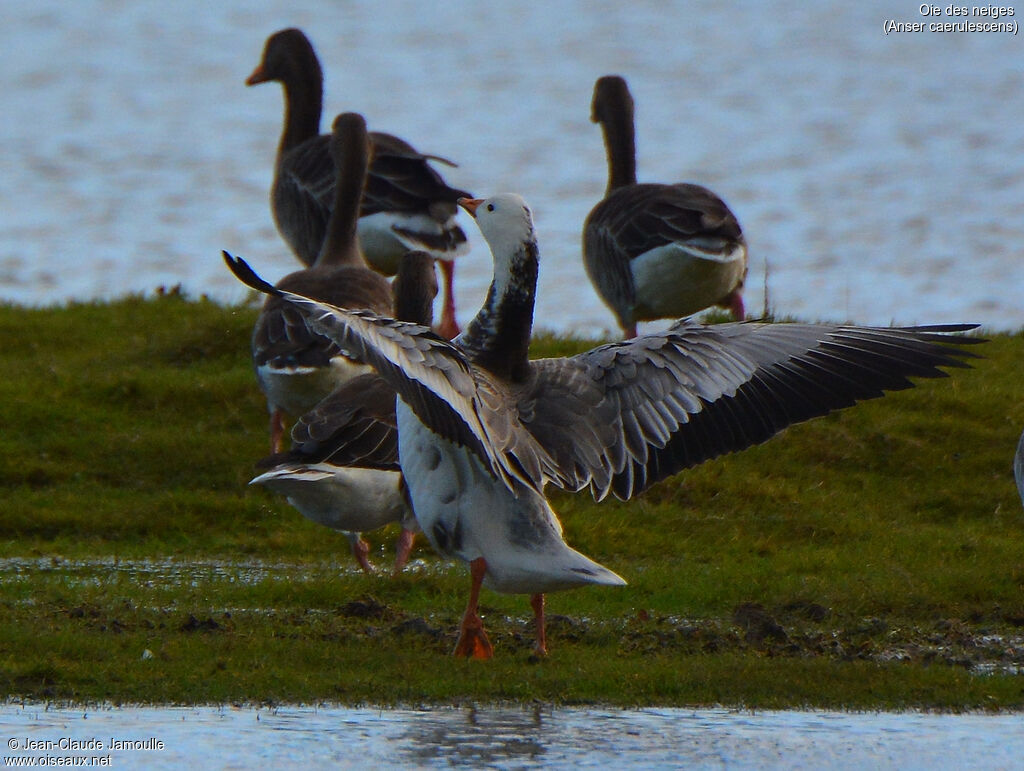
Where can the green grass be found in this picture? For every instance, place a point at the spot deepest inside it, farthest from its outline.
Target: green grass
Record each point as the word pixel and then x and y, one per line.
pixel 871 559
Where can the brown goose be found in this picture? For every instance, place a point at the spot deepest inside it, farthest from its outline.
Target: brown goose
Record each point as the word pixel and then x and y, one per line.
pixel 406 204
pixel 482 429
pixel 295 367
pixel 656 251
pixel 342 470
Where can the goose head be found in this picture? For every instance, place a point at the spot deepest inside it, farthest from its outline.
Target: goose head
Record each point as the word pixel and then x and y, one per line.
pixel 611 99
pixel 350 144
pixel 506 223
pixel 288 57
pixel 612 108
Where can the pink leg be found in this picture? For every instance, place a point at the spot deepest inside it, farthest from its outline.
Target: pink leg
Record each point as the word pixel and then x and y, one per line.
pixel 734 302
pixel 361 551
pixel 402 550
pixel 537 603
pixel 473 640
pixel 449 327
pixel 629 331
pixel 276 431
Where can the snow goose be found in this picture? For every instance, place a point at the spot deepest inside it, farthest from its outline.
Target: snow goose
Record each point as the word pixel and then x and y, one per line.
pixel 655 251
pixel 406 205
pixel 342 470
pixel 482 428
pixel 295 367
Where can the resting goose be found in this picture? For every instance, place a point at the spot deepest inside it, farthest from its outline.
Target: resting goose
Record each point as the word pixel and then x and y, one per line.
pixel 655 251
pixel 406 205
pixel 295 367
pixel 342 470
pixel 482 428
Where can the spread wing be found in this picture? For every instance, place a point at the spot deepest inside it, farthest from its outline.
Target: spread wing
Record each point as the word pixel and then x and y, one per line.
pixel 457 401
pixel 625 415
pixel 281 336
pixel 622 416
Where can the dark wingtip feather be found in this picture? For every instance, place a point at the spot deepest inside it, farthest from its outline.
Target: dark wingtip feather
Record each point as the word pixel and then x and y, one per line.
pixel 248 276
pixel 939 333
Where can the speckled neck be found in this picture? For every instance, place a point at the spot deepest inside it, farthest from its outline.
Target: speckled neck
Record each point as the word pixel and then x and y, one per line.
pixel 498 338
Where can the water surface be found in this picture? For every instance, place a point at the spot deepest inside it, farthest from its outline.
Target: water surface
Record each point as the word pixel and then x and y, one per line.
pixel 878 178
pixel 513 737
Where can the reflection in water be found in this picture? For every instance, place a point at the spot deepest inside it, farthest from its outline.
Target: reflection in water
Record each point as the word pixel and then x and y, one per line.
pixel 477 737
pixel 522 737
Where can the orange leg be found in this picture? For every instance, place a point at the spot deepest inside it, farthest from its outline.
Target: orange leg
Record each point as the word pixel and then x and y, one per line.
pixel 402 550
pixel 473 640
pixel 449 327
pixel 537 603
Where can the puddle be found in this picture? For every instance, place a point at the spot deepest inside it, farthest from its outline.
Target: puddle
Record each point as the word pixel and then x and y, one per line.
pixel 508 738
pixel 180 572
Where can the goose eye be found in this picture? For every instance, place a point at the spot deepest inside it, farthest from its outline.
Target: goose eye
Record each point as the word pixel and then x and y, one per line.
pixel 490 207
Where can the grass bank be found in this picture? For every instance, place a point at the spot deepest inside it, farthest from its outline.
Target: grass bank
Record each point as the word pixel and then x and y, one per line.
pixel 871 559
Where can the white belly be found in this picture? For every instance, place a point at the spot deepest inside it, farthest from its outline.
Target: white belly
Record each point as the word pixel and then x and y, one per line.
pixel 464 512
pixel 672 281
pixel 298 389
pixel 347 499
